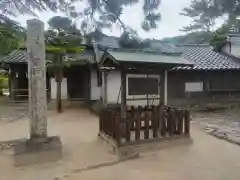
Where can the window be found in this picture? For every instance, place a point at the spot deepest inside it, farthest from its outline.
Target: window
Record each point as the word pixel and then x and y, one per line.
pixel 142 86
pixel 193 86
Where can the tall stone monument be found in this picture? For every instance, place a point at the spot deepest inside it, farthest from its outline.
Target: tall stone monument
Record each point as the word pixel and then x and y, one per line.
pixel 37 80
pixel 39 147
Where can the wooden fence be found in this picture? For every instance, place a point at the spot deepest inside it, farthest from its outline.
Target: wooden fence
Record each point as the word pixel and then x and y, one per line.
pixel 144 124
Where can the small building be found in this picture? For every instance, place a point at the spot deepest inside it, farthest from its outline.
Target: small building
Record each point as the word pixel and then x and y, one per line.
pixel 139 79
pixel 146 75
pixel 214 78
pixel 78 78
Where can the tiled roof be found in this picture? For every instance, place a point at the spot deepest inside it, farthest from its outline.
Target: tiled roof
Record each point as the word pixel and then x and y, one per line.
pixel 164 47
pixel 204 58
pixel 149 57
pixel 17 56
pixel 157 45
pixel 109 41
pixel 21 56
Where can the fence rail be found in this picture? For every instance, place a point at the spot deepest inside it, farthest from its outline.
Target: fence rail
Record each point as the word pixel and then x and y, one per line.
pixel 144 124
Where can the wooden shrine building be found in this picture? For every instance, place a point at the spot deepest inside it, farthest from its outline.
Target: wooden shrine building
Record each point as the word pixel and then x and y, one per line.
pixel 144 116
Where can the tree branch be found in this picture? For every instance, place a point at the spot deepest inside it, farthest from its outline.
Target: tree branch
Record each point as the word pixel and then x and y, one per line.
pixel 118 18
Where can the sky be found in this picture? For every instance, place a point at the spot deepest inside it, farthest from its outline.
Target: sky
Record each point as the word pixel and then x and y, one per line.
pixel 169 26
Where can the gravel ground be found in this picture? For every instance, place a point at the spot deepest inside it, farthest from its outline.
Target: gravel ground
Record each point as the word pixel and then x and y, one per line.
pixel 224 125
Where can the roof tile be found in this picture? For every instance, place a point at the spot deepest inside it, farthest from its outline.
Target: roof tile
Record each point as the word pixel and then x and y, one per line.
pixel 204 58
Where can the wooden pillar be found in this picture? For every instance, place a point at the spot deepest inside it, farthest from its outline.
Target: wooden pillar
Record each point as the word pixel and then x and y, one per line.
pixel 123 94
pixel 165 87
pixel 162 88
pixel 104 90
pixel 13 85
pixel 10 83
pixel 87 85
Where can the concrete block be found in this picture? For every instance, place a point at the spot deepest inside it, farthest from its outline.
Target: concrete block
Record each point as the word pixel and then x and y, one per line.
pixel 29 152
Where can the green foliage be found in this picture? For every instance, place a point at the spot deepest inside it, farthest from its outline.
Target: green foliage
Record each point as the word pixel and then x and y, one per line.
pixel 152 16
pixel 219 39
pixel 58 45
pixel 10 34
pixel 3 82
pixel 131 40
pixel 63 43
pixel 65 24
pixel 203 14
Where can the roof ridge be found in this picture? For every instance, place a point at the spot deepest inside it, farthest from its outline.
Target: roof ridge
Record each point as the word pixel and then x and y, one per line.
pixel 152 51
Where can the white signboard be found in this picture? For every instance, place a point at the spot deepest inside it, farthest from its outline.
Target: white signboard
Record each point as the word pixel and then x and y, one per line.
pixel 193 86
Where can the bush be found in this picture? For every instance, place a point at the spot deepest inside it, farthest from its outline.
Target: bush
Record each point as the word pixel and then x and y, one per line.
pixel 3 83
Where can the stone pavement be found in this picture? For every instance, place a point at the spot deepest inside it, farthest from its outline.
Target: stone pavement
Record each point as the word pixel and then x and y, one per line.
pixel 224 125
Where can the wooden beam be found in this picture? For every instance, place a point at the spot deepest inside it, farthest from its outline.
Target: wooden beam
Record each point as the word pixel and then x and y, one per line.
pixel 123 94
pixel 162 88
pixel 165 87
pixel 105 100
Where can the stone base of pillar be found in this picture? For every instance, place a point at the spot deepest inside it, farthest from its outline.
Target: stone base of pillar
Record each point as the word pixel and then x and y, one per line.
pixel 29 152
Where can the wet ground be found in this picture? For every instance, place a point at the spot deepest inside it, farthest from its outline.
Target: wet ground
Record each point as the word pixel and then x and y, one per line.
pixel 86 157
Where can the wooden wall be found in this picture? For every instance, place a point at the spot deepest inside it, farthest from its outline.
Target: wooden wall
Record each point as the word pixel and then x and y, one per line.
pixel 218 86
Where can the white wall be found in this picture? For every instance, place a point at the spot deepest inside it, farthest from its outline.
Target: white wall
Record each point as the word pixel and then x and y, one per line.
pixel 113 87
pixel 234 50
pixel 54 88
pixel 95 90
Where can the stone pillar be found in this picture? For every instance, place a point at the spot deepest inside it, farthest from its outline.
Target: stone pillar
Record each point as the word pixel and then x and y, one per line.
pixel 37 79
pixel 39 148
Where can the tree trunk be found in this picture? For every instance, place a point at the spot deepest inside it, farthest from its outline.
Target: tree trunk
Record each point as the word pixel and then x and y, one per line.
pixel 59 92
pixel 58 98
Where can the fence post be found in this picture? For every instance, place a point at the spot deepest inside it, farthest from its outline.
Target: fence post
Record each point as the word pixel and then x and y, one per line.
pixel 146 124
pixel 163 121
pixel 101 119
pixel 180 121
pixel 187 122
pixel 133 114
pixel 138 123
pixel 154 121
pixel 116 129
pixel 171 121
pixel 128 122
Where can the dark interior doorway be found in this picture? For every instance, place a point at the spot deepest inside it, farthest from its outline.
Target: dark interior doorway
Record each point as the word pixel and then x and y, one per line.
pixel 77 81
